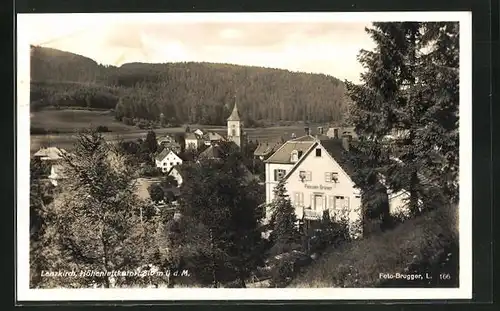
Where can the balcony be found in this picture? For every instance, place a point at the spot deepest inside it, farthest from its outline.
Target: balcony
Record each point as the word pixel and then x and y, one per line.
pixel 310 214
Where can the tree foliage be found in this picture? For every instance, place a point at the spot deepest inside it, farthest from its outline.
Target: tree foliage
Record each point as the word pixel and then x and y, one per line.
pixel 217 237
pixel 96 222
pixel 195 93
pixel 399 93
pixel 283 219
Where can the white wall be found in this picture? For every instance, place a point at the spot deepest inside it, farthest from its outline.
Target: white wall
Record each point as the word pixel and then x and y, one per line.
pixel 318 185
pixel 270 182
pixel 318 166
pixel 168 162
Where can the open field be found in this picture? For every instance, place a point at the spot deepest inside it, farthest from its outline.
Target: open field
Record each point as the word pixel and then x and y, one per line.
pixel 68 122
pixel 72 120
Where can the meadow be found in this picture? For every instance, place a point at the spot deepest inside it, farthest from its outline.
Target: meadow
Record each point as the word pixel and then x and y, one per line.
pixel 67 122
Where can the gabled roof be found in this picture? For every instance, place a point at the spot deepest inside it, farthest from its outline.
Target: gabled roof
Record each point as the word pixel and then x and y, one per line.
pixel 162 154
pixel 212 136
pixel 191 136
pixel 212 152
pixel 266 148
pixel 50 153
pixel 283 154
pixel 335 150
pixel 235 116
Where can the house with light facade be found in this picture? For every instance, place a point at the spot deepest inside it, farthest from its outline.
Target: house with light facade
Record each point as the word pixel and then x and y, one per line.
pixel 318 176
pixel 193 141
pixel 53 156
pixel 167 159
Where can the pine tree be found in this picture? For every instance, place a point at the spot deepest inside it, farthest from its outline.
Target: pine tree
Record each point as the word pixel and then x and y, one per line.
pixel 283 219
pixel 151 142
pixel 219 240
pixel 399 93
pixel 439 88
pixel 96 222
pixel 384 103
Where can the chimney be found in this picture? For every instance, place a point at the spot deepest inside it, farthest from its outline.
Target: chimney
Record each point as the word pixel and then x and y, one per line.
pixel 346 141
pixel 307 130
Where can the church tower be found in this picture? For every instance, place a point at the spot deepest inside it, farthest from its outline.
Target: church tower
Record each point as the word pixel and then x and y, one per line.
pixel 235 127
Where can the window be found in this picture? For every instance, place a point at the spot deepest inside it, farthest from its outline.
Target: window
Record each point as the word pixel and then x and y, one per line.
pixel 233 132
pixel 305 176
pixel 294 157
pixel 298 198
pixel 279 174
pixel 318 152
pixel 338 202
pixel 331 177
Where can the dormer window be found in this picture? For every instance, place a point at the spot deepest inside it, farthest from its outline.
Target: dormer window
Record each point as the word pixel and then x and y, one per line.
pixel 294 157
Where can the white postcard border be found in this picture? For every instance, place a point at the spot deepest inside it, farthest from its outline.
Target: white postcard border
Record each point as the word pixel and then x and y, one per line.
pixel 24 293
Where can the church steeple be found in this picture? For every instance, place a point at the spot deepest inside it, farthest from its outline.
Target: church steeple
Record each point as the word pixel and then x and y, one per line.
pixel 235 116
pixel 234 126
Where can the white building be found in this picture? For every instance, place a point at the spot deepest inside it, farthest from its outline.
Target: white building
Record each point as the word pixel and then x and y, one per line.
pixel 52 156
pixel 167 159
pixel 193 141
pixel 318 177
pixel 199 132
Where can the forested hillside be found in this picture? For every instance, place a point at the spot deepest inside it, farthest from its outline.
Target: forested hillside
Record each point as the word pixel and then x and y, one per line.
pixel 184 92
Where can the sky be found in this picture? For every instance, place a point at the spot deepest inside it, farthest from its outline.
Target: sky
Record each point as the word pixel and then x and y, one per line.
pixel 304 44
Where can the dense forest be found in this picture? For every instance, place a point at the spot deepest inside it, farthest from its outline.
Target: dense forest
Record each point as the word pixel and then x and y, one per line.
pixel 190 92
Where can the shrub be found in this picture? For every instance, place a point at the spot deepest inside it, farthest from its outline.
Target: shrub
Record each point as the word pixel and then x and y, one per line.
pixel 102 129
pixel 358 264
pixel 281 274
pixel 150 171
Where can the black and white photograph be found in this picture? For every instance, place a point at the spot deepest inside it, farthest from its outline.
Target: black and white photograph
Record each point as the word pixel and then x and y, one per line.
pixel 244 156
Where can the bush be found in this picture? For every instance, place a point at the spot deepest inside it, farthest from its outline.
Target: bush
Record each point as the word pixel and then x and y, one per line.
pixel 102 129
pixel 150 171
pixel 358 264
pixel 281 275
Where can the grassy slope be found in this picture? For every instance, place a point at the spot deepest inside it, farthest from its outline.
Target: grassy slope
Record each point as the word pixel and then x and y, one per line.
pixel 359 264
pixel 69 120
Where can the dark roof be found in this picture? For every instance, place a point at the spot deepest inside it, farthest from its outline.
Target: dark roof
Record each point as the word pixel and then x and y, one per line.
pixel 283 154
pixel 335 148
pixel 212 152
pixel 266 148
pixel 191 136
pixel 162 154
pixel 235 116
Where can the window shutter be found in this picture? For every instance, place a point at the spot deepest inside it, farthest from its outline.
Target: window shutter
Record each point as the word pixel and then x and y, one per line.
pixel 296 198
pixel 275 175
pixel 309 176
pixel 331 204
pixel 324 203
pixel 312 201
pixel 301 198
pixel 328 177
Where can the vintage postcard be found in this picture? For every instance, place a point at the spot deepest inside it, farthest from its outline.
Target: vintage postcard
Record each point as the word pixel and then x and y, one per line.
pixel 238 156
